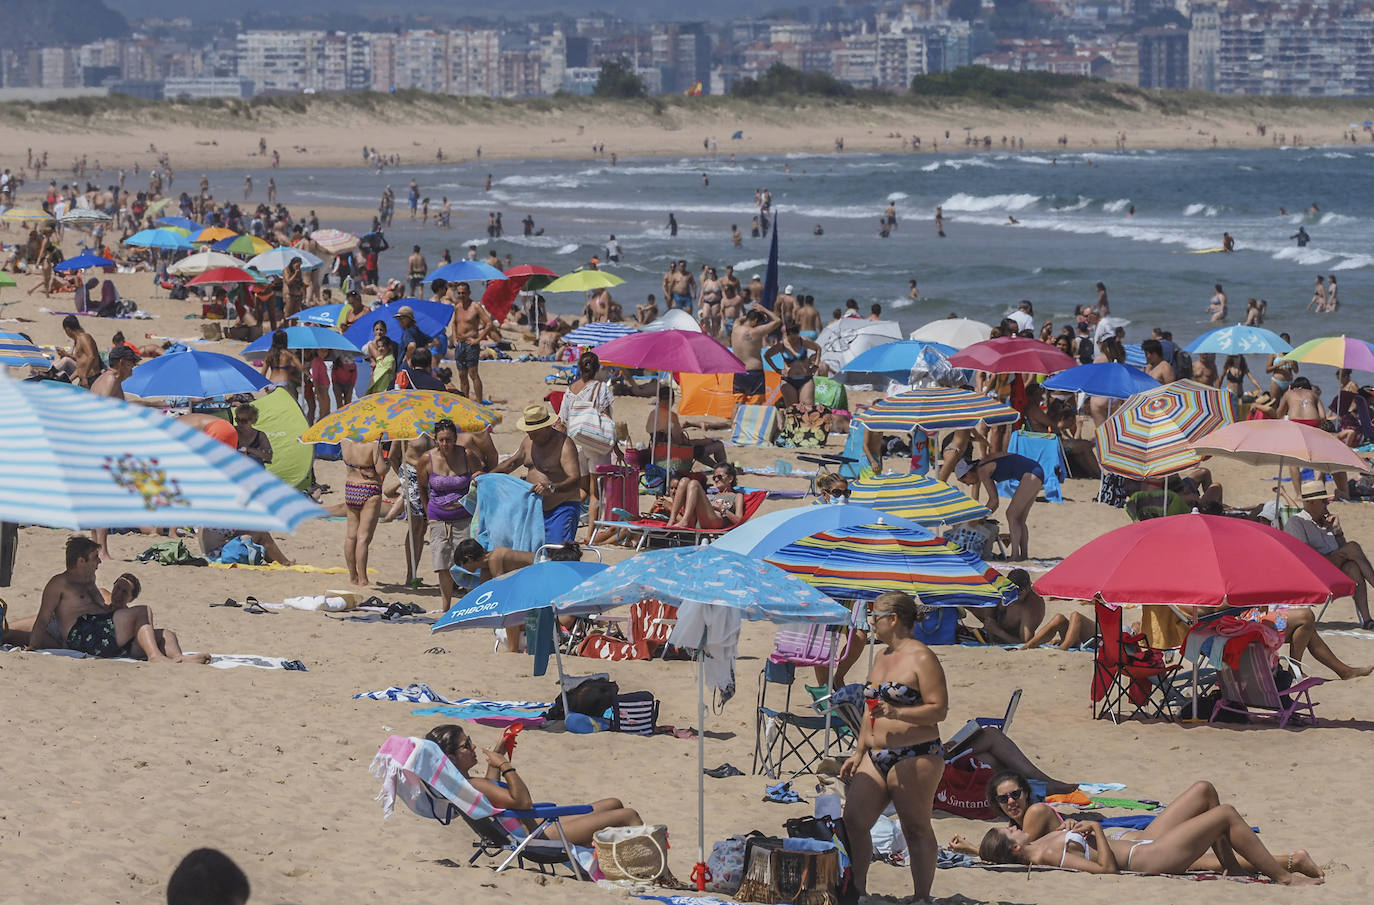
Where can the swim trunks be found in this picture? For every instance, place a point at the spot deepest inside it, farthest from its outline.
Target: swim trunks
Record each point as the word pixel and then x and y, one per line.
pixel 560 523
pixel 94 634
pixel 466 355
pixel 682 301
pixel 751 383
pixel 1310 422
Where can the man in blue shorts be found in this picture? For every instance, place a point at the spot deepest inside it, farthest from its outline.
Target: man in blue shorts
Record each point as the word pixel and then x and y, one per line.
pixel 552 471
pixel 471 324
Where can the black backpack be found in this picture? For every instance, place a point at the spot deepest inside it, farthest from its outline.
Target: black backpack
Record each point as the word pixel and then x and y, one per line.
pixel 592 698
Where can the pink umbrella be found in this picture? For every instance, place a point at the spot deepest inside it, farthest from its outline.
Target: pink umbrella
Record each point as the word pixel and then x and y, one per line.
pixel 1013 355
pixel 1283 442
pixel 683 351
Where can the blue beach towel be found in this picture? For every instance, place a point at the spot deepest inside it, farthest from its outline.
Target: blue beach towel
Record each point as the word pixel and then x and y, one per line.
pixel 508 514
pixel 1045 450
pixel 476 709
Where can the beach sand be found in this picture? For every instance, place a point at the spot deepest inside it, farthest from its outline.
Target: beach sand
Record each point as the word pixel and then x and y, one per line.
pixel 116 770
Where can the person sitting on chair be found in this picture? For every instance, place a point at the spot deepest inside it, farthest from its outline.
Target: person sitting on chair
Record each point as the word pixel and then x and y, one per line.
pixel 691 508
pixel 503 786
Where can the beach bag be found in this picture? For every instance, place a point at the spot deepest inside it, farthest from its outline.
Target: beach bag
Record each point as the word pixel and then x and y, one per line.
pixel 170 553
pixel 824 828
pixel 963 789
pixel 635 713
pixel 725 864
pixel 588 426
pixel 830 393
pixel 636 853
pixel 591 698
pixel 241 552
pixel 799 871
pixel 937 626
pixel 805 427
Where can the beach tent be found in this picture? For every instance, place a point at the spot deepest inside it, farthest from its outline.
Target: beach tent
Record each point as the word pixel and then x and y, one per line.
pixel 849 337
pixel 712 395
pixel 281 419
pixel 672 319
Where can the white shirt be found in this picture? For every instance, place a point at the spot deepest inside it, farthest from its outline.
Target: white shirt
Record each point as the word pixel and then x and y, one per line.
pixel 1309 532
pixel 1023 320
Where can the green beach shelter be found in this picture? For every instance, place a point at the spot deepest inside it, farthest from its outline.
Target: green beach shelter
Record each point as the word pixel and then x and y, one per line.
pixel 281 419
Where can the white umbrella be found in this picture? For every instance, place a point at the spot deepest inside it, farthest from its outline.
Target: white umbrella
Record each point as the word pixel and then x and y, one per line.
pixel 201 261
pixel 76 460
pixel 672 319
pixel 959 332
pixel 85 215
pixel 275 261
pixel 851 336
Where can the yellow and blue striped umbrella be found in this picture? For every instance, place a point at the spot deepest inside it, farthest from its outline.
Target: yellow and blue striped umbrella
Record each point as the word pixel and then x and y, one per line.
pixel 920 498
pixel 861 563
pixel 18 352
pixel 1149 435
pixel 25 215
pixel 934 409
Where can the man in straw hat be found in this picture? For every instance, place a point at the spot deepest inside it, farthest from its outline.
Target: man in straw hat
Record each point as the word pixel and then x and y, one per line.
pixel 550 460
pixel 1317 526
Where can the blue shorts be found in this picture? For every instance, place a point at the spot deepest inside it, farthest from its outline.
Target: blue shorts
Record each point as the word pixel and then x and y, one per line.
pixel 466 356
pixel 560 523
pixel 682 301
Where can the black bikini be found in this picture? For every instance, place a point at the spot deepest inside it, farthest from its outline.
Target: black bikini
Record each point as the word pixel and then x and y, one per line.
pixel 900 695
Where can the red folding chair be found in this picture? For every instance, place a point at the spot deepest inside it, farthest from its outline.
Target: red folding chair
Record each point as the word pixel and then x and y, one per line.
pixel 1127 672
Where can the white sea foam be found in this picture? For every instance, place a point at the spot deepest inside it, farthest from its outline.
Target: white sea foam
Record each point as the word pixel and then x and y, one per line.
pixel 1308 257
pixel 964 202
pixel 1112 207
pixel 1206 210
pixel 931 167
pixel 566 249
pixel 897 196
pixel 1078 205
pixel 1338 155
pixel 1354 262
pixel 541 182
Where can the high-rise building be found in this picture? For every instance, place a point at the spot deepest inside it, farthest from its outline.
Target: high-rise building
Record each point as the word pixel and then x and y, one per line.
pixel 681 51
pixel 1204 47
pixel 1163 58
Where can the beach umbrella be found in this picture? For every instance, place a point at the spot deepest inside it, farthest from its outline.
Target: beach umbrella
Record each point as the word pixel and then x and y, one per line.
pixel 533 277
pixel 672 319
pixel 320 315
pixel 769 532
pixel 77 460
pixel 920 498
pixel 274 260
pixel 693 578
pixel 335 241
pixel 304 337
pixel 1104 378
pixel 1239 339
pixel 1336 351
pixel 897 360
pixel 82 262
pixel 596 334
pixel 85 215
pixel 156 208
pixel 671 350
pixel 201 261
pixel 1149 434
pixel 1196 560
pixel 850 337
pixel 214 234
pixel 193 374
pixel 1135 356
pixel 462 271
pixel 400 415
pixel 859 563
pixel 223 275
pixel 18 352
pixel 1013 355
pixel 159 238
pixel 431 318
pixel 935 409
pixel 242 245
pixel 185 223
pixel 959 332
pixel 25 215
pixel 582 280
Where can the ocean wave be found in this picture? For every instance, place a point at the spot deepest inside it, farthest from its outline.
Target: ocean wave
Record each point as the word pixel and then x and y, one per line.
pixel 566 249
pixel 1032 158
pixel 1078 205
pixel 1308 257
pixel 1354 262
pixel 1207 210
pixel 963 202
pixel 1329 218
pixel 541 182
pixel 1338 155
pixel 897 196
pixel 1112 207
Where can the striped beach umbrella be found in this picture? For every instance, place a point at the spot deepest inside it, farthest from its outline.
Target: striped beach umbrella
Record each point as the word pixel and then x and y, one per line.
pixel 25 215
pixel 596 334
pixel 77 460
pixel 861 563
pixel 1336 351
pixel 399 415
pixel 935 408
pixel 242 245
pixel 335 241
pixel 196 264
pixel 920 498
pixel 1150 434
pixel 18 352
pixel 214 234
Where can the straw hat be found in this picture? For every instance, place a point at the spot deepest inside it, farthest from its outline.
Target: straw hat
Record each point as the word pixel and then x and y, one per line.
pixel 536 417
pixel 1315 490
pixel 406 311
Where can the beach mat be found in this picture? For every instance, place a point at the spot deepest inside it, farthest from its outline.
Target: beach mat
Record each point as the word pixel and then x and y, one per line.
pixel 218 661
pixel 490 713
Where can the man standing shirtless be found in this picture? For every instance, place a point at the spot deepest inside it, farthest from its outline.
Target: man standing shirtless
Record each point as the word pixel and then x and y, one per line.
pixel 552 471
pixel 86 623
pixel 746 341
pixel 679 287
pixel 416 267
pixel 471 324
pixel 88 366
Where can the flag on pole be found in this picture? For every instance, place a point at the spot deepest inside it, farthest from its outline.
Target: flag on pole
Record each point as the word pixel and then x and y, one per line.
pixel 770 279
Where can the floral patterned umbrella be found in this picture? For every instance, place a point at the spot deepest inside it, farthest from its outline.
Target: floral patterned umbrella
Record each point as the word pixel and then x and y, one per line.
pixel 400 415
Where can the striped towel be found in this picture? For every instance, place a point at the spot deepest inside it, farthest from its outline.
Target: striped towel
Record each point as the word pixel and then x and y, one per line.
pixel 416 693
pixel 755 425
pixel 414 769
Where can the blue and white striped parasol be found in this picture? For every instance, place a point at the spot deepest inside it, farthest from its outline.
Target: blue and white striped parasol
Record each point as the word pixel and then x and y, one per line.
pixel 596 334
pixel 76 460
pixel 18 352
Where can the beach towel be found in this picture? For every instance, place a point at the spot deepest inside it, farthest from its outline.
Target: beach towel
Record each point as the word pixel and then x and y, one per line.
pixel 219 661
pixel 281 567
pixel 406 766
pixel 1045 450
pixel 490 713
pixel 415 693
pixel 508 514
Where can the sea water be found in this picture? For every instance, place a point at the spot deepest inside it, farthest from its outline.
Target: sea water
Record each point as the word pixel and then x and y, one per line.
pixel 1076 227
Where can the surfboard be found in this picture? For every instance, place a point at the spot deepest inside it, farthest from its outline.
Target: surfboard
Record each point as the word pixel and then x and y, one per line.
pixel 1206 251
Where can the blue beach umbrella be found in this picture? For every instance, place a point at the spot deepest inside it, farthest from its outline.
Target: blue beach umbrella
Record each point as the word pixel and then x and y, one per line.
pixel 763 535
pixel 596 334
pixel 504 601
pixel 430 319
pixel 83 261
pixel 159 238
pixel 180 222
pixel 461 271
pixel 1239 339
pixel 321 315
pixel 305 337
pixel 18 352
pixel 193 374
pixel 1103 378
pixel 1135 356
pixel 896 360
pixel 76 460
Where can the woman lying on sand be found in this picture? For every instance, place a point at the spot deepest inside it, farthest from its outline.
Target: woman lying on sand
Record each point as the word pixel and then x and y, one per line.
pixel 504 788
pixel 1175 842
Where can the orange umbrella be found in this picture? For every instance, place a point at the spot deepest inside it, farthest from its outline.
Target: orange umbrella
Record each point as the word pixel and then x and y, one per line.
pixel 214 234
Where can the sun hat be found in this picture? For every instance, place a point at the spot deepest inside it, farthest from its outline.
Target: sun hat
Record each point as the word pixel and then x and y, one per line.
pixel 787 290
pixel 536 416
pixel 1315 490
pixel 406 311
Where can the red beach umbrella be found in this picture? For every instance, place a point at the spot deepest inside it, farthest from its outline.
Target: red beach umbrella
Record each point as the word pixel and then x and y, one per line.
pixel 224 275
pixel 1013 355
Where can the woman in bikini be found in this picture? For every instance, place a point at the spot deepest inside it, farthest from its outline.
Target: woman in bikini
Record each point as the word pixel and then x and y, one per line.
pixel 1234 374
pixel 367 466
pixel 795 358
pixel 708 302
pixel 692 509
pixel 1176 841
pixel 445 475
pixel 898 758
pixel 281 366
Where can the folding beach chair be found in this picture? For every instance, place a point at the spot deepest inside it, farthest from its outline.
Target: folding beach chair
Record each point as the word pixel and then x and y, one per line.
pixel 417 772
pixel 782 736
pixel 755 425
pixel 650 530
pixel 1250 689
pixel 1127 672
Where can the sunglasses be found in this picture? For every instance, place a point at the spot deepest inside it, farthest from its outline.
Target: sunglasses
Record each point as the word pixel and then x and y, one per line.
pixel 1013 795
pixel 874 617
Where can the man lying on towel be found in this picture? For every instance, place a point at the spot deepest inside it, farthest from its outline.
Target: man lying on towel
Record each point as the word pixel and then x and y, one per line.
pixel 87 623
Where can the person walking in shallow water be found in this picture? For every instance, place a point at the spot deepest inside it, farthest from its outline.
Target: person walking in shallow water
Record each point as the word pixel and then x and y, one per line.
pixel 940 222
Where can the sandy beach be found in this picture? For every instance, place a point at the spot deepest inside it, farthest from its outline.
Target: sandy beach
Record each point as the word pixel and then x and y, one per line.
pixel 118 769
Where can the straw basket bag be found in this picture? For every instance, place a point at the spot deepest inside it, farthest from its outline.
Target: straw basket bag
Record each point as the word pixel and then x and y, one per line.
pixel 799 871
pixel 638 853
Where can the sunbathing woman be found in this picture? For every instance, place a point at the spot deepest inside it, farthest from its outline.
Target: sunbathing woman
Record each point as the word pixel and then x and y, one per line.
pixel 1175 842
pixel 504 788
pixel 692 509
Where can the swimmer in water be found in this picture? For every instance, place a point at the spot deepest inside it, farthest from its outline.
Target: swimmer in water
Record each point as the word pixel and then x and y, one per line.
pixel 1227 243
pixel 1012 221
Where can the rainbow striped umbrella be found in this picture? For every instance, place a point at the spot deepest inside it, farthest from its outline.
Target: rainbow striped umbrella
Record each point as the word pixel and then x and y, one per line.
pixel 861 563
pixel 922 499
pixel 1149 435
pixel 1336 351
pixel 935 408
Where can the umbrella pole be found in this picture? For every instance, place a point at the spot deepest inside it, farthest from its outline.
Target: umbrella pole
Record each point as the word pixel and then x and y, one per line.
pixel 558 658
pixel 412 555
pixel 699 871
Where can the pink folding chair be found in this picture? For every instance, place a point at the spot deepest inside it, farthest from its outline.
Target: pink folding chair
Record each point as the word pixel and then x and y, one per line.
pixel 1250 690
